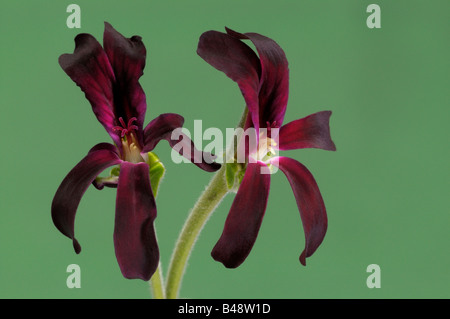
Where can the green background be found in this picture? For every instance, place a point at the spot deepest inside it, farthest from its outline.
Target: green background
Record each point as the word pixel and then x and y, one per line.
pixel 386 188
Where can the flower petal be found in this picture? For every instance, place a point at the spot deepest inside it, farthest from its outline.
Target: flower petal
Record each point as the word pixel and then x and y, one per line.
pixel 101 182
pixel 72 188
pixel 309 203
pixel 127 58
pixel 186 148
pixel 311 131
pixel 245 217
pixel 162 127
pixel 274 83
pixel 237 61
pixel 105 146
pixel 90 69
pixel 134 234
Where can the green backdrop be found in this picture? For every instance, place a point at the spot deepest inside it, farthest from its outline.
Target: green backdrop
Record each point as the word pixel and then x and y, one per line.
pixel 385 189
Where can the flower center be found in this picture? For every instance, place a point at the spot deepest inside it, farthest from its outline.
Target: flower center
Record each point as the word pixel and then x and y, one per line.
pixel 268 138
pixel 130 147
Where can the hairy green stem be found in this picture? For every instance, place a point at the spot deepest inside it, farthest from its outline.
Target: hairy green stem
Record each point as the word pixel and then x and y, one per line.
pixel 206 204
pixel 211 197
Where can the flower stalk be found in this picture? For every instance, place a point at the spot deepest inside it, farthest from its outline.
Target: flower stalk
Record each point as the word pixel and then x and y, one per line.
pixel 157 284
pixel 207 203
pixel 205 206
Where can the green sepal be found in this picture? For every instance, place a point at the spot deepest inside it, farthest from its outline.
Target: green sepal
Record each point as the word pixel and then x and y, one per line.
pixel 234 173
pixel 115 171
pixel 230 174
pixel 240 175
pixel 156 171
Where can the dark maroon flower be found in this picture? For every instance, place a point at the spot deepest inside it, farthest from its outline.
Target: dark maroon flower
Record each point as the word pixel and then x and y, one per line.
pixel 109 77
pixel 264 82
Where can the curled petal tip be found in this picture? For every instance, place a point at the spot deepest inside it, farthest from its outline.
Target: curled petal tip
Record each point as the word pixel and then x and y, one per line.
pixel 76 246
pixel 303 259
pixel 230 264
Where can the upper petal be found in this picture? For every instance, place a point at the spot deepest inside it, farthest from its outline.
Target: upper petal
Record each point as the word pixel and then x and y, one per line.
pixel 88 66
pixel 72 188
pixel 311 131
pixel 245 217
pixel 309 202
pixel 274 83
pixel 127 57
pixel 134 234
pixel 237 61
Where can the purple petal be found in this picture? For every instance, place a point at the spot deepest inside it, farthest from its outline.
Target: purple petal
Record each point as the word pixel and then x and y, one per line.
pixel 105 182
pixel 245 217
pixel 72 188
pixel 108 183
pixel 134 234
pixel 309 203
pixel 311 131
pixel 162 127
pixel 105 146
pixel 274 83
pixel 90 69
pixel 127 58
pixel 186 148
pixel 237 61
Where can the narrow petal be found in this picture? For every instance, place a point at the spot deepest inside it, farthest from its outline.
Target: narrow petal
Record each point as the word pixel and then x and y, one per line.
pixel 309 202
pixel 237 61
pixel 134 234
pixel 312 131
pixel 90 69
pixel 72 188
pixel 127 58
pixel 110 182
pixel 245 217
pixel 105 146
pixel 162 127
pixel 274 83
pixel 99 182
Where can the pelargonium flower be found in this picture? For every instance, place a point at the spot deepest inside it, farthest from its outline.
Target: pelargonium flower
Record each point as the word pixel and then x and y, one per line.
pixel 264 82
pixel 109 77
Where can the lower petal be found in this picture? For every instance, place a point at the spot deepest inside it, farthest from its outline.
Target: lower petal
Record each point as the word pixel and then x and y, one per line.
pixel 245 217
pixel 309 203
pixel 134 234
pixel 74 185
